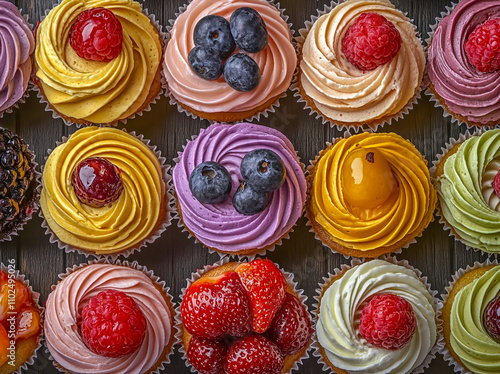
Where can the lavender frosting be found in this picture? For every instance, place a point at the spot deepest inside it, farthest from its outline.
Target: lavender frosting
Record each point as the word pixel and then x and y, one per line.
pixel 219 226
pixel 465 91
pixel 16 46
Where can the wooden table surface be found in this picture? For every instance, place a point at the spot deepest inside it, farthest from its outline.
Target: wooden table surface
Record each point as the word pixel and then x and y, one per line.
pixel 173 256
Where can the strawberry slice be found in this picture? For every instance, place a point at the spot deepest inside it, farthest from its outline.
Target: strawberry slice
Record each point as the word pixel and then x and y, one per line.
pixel 27 323
pixel 207 355
pixel 18 289
pixel 4 345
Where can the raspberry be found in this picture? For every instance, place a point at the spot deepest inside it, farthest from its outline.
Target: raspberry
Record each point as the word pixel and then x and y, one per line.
pixel 206 355
pixel 496 184
pixel 491 318
pixel 483 46
pixel 112 324
pixel 371 41
pixel 97 35
pixel 387 321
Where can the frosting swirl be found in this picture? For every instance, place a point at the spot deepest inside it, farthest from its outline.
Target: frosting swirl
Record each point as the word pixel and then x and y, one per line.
pixel 344 93
pixel 220 226
pixel 464 90
pixel 113 228
pixel 63 315
pixel 93 91
pixel 16 46
pixel 338 320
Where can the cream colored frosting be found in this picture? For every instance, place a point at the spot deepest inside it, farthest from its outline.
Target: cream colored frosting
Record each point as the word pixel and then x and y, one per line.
pixel 338 320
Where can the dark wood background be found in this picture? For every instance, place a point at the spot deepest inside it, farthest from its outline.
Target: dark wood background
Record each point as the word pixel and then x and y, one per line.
pixel 173 257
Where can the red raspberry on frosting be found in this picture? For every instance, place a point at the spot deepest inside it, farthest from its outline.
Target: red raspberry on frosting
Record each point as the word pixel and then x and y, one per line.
pixel 483 46
pixel 371 41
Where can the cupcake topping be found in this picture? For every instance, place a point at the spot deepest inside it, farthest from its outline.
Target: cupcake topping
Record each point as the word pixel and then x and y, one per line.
pixel 248 201
pixel 483 46
pixel 491 318
pixel 263 169
pixel 205 62
pixel 241 72
pixel 210 183
pixel 214 32
pixel 249 30
pixel 207 355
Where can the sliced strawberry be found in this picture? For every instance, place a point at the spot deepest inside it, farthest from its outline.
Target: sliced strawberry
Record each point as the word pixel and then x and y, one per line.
pixel 207 355
pixel 265 285
pixel 17 290
pixel 4 345
pixel 27 323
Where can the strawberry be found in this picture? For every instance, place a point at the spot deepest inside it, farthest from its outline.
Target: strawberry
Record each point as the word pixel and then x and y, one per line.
pixel 207 355
pixel 27 323
pixel 4 345
pixel 20 291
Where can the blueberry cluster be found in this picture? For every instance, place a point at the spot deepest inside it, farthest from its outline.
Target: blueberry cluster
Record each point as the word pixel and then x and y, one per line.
pixel 215 39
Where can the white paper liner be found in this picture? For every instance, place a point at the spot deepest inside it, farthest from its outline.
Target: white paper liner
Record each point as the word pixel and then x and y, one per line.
pixel 154 278
pixel 55 113
pixel 444 350
pixel 438 346
pixel 173 101
pixel 167 220
pixel 35 296
pixel 197 275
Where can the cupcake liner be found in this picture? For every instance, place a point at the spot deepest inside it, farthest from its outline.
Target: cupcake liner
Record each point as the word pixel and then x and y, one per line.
pixel 173 101
pixel 438 346
pixel 197 275
pixel 167 220
pixel 373 125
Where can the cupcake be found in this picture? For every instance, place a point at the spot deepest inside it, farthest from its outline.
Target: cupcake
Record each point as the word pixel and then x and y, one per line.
pixel 234 218
pixel 347 78
pixel 98 61
pixel 471 319
pixel 89 300
pixel 251 68
pixel 464 62
pixel 104 192
pixel 376 317
pixel 369 194
pixel 243 318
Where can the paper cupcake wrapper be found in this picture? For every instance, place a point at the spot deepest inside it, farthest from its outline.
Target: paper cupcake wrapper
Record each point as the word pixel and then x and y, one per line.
pixel 197 275
pixel 438 346
pixel 155 279
pixel 444 350
pixel 173 101
pixel 36 297
pixel 167 220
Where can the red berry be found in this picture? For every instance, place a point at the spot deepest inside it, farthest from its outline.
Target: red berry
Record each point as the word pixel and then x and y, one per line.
pixel 96 182
pixel 206 355
pixel 96 35
pixel 112 324
pixel 214 306
pixel 491 318
pixel 254 354
pixel 291 326
pixel 27 322
pixel 266 288
pixel 483 46
pixel 387 321
pixel 496 184
pixel 371 41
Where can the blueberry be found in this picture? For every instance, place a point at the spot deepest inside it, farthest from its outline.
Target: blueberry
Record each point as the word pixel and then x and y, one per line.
pixel 205 62
pixel 214 32
pixel 248 201
pixel 249 30
pixel 263 169
pixel 210 183
pixel 241 72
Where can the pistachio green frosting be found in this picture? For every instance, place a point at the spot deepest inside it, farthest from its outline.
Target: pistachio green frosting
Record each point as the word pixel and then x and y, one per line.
pixel 468 338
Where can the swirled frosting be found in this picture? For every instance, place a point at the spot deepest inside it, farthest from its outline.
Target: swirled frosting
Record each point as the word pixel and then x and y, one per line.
pixel 109 229
pixel 461 187
pixel 97 92
pixel 16 46
pixel 464 90
pixel 344 93
pixel 468 337
pixel 338 320
pixel 63 316
pixel 404 215
pixel 277 62
pixel 220 226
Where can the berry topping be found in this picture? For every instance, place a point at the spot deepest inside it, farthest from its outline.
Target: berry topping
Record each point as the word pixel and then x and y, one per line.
pixel 483 46
pixel 4 345
pixel 21 292
pixel 491 318
pixel 371 41
pixel 214 32
pixel 253 354
pixel 96 182
pixel 96 35
pixel 112 324
pixel 241 72
pixel 214 306
pixel 206 355
pixel 263 169
pixel 247 201
pixel 265 286
pixel 27 323
pixel 249 30
pixel 205 62
pixel 387 321
pixel 291 326
pixel 496 184
pixel 210 183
